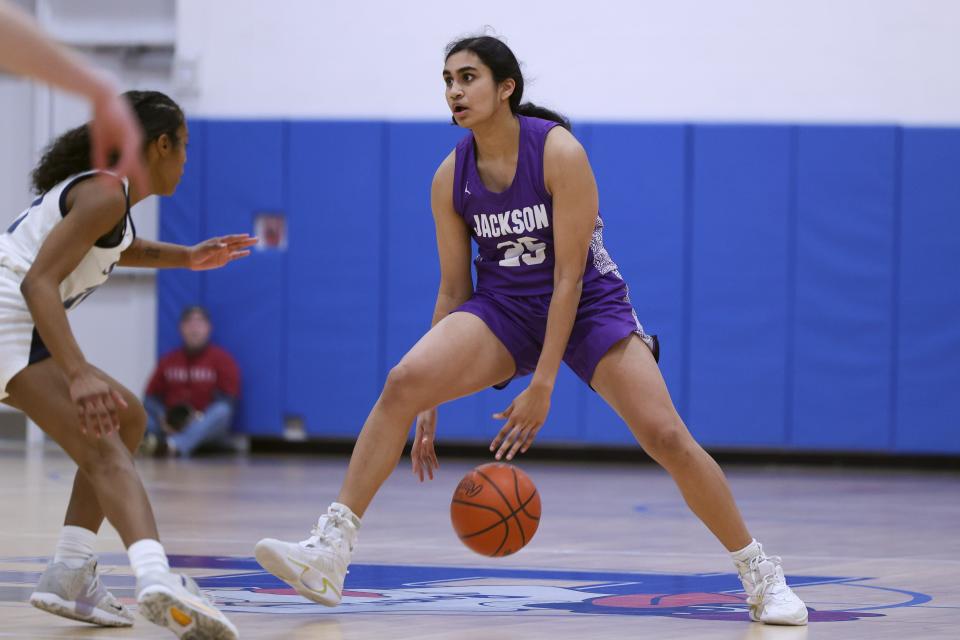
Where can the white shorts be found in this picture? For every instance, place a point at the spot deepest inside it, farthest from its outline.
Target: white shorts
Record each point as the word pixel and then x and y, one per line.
pixel 16 330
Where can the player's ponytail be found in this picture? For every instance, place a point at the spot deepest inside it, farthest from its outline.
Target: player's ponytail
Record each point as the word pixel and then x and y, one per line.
pixel 70 153
pixel 494 53
pixel 536 111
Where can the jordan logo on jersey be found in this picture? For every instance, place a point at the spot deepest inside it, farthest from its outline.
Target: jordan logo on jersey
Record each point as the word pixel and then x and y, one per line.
pixel 495 225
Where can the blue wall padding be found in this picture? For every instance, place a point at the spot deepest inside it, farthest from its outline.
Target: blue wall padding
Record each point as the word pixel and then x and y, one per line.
pixel 334 262
pixel 245 176
pixel 846 187
pixel 640 173
pixel 740 190
pixel 803 280
pixel 413 153
pixel 181 222
pixel 928 391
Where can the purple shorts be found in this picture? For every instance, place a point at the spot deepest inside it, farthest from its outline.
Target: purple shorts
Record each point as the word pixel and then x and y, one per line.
pixel 604 317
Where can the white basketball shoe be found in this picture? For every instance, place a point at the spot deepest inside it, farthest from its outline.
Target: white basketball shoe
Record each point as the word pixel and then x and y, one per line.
pixel 315 567
pixel 174 601
pixel 771 600
pixel 78 594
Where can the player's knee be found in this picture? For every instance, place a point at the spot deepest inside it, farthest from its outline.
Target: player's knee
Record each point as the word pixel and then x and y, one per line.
pixel 133 423
pixel 667 441
pixel 402 384
pixel 105 459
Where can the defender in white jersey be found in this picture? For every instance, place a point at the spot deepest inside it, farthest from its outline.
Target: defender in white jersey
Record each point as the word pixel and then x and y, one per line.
pixel 20 344
pixel 52 256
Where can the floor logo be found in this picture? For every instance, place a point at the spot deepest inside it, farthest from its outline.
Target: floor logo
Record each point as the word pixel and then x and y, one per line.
pixel 240 585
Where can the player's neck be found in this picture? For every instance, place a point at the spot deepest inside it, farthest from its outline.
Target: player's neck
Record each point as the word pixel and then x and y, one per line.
pixel 135 195
pixel 498 137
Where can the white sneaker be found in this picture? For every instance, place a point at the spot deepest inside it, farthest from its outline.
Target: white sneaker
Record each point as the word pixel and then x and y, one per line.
pixel 78 594
pixel 771 600
pixel 174 601
pixel 315 567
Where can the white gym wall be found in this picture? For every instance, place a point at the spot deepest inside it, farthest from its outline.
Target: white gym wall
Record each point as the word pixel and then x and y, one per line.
pixel 889 61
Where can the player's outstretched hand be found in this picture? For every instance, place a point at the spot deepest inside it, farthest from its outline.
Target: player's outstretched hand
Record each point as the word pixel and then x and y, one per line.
pixel 98 403
pixel 423 455
pixel 525 415
pixel 216 252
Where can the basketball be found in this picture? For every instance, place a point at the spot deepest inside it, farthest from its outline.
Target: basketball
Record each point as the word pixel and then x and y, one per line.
pixel 495 509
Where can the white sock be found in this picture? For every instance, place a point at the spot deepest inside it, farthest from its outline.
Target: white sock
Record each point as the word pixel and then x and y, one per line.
pixel 147 556
pixel 75 546
pixel 748 553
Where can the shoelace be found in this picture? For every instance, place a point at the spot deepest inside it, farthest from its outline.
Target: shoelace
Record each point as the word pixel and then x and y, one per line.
pixel 771 585
pixel 99 572
pixel 323 530
pixel 93 588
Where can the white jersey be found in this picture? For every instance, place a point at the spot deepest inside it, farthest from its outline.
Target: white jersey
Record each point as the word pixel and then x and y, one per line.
pixel 20 244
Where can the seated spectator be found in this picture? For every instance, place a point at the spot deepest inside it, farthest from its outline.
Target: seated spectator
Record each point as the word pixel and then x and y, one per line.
pixel 192 394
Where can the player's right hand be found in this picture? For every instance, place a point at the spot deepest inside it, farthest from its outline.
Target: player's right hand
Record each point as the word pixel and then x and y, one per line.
pixel 422 455
pixel 98 403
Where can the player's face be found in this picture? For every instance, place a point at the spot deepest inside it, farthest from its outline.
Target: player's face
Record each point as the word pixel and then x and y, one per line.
pixel 195 331
pixel 167 160
pixel 472 93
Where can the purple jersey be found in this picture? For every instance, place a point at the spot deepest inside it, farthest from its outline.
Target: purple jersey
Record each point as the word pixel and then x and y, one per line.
pixel 513 229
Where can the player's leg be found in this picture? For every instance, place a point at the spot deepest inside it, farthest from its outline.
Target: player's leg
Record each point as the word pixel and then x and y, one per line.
pixel 459 356
pixel 111 486
pixel 84 510
pixel 628 379
pixel 70 586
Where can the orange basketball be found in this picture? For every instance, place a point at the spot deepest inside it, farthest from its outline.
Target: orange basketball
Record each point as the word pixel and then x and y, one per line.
pixel 495 509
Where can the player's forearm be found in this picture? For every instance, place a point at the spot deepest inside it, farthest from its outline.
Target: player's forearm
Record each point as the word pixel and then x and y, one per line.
pixel 156 255
pixel 25 50
pixel 560 318
pixel 43 299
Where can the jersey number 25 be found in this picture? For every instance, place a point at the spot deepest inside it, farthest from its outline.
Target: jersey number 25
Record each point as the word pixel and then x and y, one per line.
pixel 528 249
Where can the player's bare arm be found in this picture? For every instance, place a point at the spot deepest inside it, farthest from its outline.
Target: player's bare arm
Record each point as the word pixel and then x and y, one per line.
pixel 209 254
pixel 453 243
pixel 94 207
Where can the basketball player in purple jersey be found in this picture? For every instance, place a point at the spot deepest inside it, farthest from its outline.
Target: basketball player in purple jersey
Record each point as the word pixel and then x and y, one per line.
pixel 547 291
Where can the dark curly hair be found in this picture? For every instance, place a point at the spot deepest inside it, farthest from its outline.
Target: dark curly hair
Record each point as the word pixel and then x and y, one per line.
pixel 70 153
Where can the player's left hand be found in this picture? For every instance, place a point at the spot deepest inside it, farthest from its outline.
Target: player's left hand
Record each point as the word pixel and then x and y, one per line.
pixel 525 415
pixel 216 252
pixel 423 456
